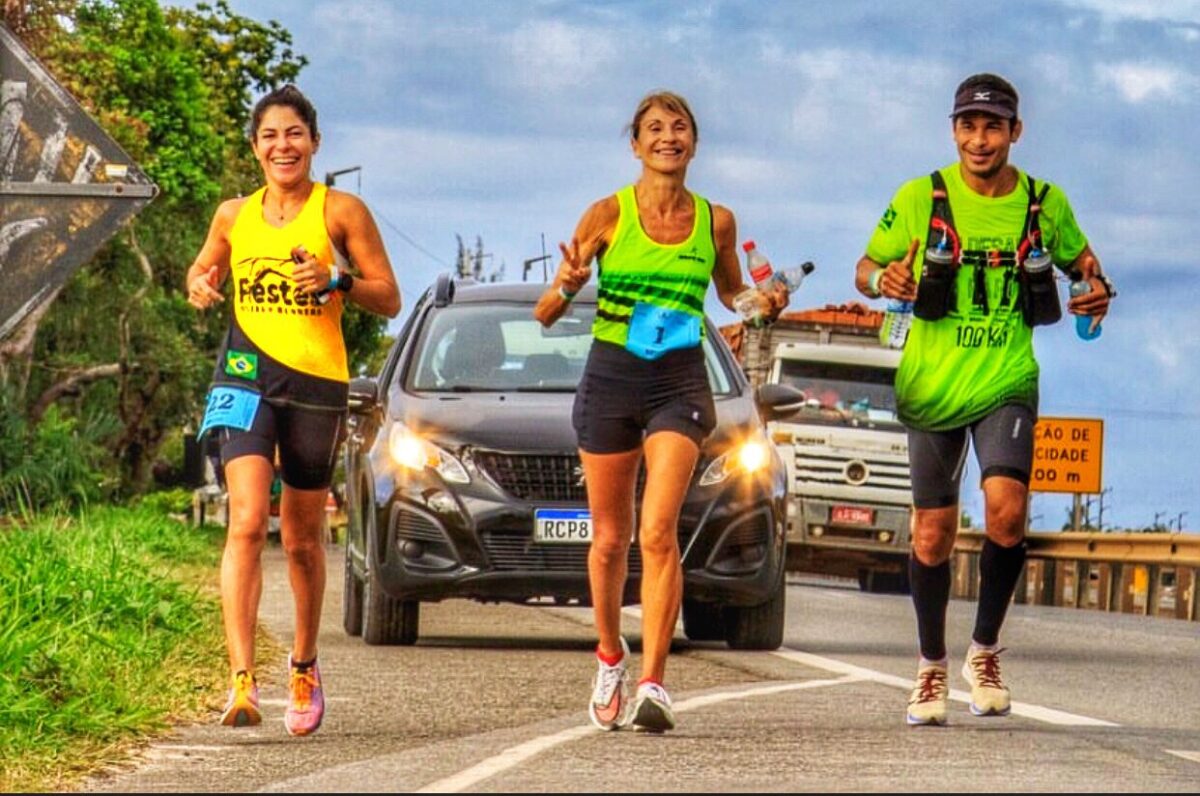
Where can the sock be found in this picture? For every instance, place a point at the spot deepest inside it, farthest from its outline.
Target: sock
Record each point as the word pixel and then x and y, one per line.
pixel 609 660
pixel 999 569
pixel 930 595
pixel 303 666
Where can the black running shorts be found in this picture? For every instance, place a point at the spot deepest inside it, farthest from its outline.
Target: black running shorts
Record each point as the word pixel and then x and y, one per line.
pixel 1003 444
pixel 623 398
pixel 308 441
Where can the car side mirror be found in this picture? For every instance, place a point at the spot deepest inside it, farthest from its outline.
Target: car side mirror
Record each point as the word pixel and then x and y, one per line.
pixel 777 401
pixel 364 394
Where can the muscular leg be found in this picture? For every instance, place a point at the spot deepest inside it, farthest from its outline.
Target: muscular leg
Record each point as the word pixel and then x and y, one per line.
pixel 670 460
pixel 301 529
pixel 933 535
pixel 1000 563
pixel 248 479
pixel 611 481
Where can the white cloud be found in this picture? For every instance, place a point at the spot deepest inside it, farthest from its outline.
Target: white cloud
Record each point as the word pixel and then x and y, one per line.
pixel 1138 82
pixel 1161 10
pixel 553 55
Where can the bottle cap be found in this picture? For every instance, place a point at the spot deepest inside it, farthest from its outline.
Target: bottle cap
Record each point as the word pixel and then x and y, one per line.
pixel 748 245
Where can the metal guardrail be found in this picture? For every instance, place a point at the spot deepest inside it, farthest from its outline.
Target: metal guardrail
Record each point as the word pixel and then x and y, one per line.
pixel 1150 574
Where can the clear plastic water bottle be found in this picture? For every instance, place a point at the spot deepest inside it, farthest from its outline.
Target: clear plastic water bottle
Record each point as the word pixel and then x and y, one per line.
pixel 1083 323
pixel 747 302
pixel 897 317
pixel 792 277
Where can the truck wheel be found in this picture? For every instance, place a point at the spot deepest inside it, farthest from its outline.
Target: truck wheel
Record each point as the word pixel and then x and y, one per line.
pixel 702 621
pixel 386 620
pixel 759 627
pixel 352 599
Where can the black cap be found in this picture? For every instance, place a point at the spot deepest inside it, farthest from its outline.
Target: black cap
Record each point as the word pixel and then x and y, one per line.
pixel 986 93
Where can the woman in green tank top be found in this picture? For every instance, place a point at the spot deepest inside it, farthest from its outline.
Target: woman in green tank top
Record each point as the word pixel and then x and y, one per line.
pixel 658 246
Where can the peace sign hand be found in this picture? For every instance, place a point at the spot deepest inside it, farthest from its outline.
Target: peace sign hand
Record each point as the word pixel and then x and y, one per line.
pixel 575 269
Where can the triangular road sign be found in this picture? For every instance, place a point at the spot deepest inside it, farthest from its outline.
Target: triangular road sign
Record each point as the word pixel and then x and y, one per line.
pixel 65 186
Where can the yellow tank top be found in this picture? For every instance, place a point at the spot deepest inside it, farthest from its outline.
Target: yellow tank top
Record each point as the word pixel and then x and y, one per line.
pixel 291 328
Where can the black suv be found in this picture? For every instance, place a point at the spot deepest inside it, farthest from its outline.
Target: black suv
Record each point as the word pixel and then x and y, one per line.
pixel 463 478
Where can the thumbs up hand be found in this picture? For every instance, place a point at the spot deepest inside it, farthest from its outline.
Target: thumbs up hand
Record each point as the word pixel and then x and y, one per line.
pixel 897 279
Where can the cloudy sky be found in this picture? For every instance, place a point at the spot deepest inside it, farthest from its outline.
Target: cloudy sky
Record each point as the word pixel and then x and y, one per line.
pixel 504 120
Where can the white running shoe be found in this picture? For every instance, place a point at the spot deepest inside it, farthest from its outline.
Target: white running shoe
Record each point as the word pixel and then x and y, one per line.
pixel 989 694
pixel 652 709
pixel 610 692
pixel 927 703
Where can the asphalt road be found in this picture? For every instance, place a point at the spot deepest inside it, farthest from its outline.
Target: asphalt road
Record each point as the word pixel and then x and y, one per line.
pixel 493 698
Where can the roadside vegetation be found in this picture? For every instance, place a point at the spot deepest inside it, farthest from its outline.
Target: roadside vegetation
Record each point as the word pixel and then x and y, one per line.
pixel 109 631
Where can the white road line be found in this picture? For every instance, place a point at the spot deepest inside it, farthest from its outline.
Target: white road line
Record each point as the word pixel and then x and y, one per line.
pixel 1037 712
pixel 515 755
pixel 1193 756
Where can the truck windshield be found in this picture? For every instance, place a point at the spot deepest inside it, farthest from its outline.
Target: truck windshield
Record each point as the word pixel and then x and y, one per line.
pixel 838 393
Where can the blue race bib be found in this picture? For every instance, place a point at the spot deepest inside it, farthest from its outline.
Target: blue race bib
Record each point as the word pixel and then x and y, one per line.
pixel 653 330
pixel 229 406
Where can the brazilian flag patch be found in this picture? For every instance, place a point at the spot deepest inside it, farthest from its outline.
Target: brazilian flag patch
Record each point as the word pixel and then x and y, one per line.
pixel 241 364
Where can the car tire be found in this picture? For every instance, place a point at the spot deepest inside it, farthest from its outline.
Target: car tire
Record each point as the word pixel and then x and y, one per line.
pixel 386 620
pixel 352 599
pixel 703 621
pixel 759 627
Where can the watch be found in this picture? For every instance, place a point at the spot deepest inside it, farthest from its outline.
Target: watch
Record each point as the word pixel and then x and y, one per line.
pixel 345 281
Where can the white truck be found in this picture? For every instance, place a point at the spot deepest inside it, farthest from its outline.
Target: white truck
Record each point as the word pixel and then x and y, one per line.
pixel 846 453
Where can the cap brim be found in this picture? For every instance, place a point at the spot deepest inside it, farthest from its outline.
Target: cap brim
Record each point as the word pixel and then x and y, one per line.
pixel 985 107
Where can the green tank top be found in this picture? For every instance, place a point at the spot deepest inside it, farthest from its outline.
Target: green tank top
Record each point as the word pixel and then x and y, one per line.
pixel 634 268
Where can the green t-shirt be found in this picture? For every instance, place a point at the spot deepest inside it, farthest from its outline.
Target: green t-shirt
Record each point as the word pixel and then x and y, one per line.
pixel 960 368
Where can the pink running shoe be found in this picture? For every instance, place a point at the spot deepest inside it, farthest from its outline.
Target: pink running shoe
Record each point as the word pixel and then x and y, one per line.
pixel 241 709
pixel 306 699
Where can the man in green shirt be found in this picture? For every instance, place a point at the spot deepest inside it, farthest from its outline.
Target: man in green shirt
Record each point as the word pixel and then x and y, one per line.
pixel 971 244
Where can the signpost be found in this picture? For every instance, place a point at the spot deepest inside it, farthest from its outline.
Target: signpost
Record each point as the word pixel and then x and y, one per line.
pixel 1067 457
pixel 65 186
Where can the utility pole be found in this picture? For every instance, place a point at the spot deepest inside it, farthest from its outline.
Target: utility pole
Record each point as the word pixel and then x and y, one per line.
pixel 529 263
pixel 1179 521
pixel 331 176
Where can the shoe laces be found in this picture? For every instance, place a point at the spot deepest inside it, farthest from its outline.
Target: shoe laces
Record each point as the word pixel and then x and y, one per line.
pixel 656 692
pixel 302 686
pixel 244 683
pixel 608 679
pixel 986 666
pixel 931 684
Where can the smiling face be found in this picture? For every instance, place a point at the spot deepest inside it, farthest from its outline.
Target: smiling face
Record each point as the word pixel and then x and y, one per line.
pixel 983 141
pixel 284 146
pixel 664 140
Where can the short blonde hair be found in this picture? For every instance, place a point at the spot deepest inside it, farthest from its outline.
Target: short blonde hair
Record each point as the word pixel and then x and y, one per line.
pixel 668 101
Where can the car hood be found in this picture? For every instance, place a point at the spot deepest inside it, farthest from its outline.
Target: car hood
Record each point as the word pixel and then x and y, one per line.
pixel 532 421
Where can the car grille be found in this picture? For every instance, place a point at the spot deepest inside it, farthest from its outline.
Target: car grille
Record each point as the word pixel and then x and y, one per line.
pixel 510 552
pixel 540 477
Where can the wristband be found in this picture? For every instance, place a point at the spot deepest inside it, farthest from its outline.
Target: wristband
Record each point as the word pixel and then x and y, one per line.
pixel 873 282
pixel 334 275
pixel 567 296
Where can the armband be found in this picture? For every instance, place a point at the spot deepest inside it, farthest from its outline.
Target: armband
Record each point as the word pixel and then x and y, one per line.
pixel 873 282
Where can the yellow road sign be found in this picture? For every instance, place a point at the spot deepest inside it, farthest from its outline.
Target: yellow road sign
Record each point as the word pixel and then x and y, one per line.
pixel 1067 454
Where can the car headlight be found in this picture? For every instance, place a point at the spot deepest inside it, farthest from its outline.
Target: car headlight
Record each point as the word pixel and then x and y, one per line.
pixel 747 458
pixel 413 452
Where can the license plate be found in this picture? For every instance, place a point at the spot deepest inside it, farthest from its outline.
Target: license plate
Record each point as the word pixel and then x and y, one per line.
pixel 852 515
pixel 562 526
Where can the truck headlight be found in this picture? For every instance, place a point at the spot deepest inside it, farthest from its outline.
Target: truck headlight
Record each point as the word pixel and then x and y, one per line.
pixel 413 452
pixel 747 458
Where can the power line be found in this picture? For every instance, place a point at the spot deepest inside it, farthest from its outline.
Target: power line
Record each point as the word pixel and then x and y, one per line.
pixel 410 241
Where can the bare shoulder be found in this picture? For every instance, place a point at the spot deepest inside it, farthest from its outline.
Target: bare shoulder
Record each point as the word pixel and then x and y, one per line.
pixel 724 224
pixel 339 204
pixel 227 213
pixel 603 212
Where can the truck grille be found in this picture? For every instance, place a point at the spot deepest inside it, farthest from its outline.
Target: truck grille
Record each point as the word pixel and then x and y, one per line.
pixel 817 471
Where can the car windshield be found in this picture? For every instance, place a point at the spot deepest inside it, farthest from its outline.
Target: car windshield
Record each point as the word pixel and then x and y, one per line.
pixel 838 393
pixel 499 347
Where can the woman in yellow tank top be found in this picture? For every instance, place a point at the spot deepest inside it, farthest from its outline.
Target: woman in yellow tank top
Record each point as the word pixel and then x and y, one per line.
pixel 659 245
pixel 280 385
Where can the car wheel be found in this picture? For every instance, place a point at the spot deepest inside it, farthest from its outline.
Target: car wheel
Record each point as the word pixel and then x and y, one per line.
pixel 352 598
pixel 759 627
pixel 702 621
pixel 387 620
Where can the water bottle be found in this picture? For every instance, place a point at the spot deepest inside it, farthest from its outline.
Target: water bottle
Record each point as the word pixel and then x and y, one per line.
pixel 1083 323
pixel 747 302
pixel 897 317
pixel 791 278
pixel 935 290
pixel 1041 305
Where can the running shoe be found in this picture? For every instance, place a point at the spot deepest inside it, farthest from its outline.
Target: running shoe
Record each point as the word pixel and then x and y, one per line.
pixel 306 699
pixel 241 710
pixel 610 692
pixel 989 695
pixel 927 703
pixel 652 710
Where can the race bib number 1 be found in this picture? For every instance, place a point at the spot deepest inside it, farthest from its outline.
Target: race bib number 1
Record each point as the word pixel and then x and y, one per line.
pixel 229 406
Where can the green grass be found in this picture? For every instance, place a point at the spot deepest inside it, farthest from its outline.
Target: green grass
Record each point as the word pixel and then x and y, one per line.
pixel 110 630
